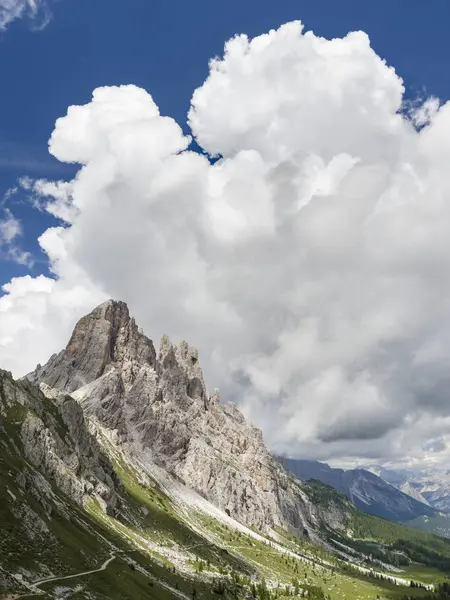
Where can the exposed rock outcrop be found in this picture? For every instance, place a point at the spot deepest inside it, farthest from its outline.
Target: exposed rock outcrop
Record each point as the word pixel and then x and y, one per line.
pixel 105 338
pixel 160 404
pixel 53 436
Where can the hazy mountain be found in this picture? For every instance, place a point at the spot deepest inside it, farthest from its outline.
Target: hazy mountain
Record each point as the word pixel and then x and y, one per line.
pixel 367 491
pixel 410 490
pixel 428 485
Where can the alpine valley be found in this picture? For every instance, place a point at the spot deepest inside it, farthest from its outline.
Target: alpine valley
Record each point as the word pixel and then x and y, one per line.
pixel 401 501
pixel 121 477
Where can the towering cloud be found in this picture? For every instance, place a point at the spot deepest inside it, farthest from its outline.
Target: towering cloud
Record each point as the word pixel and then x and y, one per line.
pixel 309 264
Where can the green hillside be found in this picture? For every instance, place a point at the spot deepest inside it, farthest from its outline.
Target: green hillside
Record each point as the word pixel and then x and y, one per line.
pixel 151 546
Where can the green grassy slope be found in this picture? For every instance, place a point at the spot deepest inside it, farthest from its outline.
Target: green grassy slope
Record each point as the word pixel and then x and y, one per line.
pixel 388 541
pixel 152 548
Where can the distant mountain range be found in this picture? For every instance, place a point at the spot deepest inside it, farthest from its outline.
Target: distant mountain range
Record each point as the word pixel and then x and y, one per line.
pixel 371 493
pixel 430 486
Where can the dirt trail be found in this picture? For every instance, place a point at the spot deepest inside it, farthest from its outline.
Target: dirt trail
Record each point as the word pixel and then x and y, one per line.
pixel 34 588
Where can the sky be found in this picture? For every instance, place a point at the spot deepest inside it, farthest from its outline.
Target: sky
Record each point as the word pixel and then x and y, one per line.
pixel 284 207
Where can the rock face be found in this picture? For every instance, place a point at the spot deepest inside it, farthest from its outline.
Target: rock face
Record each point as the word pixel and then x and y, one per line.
pixel 107 338
pixel 54 438
pixel 160 405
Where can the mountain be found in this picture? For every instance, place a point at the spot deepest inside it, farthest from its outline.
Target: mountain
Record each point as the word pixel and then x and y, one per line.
pixel 161 414
pixel 431 486
pixel 437 492
pixel 408 489
pixel 366 490
pixel 121 477
pixel 395 477
pixel 51 469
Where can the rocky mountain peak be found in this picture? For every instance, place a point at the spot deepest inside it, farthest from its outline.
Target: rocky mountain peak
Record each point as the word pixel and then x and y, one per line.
pixel 183 359
pixel 158 410
pixel 105 338
pixel 107 320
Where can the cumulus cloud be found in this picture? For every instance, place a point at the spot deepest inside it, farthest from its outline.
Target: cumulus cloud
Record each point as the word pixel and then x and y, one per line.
pixel 36 10
pixel 309 264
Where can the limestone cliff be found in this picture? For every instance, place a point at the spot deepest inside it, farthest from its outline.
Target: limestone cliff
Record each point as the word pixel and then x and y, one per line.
pixel 160 403
pixel 54 438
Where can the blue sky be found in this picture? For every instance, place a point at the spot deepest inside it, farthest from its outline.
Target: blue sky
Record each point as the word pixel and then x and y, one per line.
pixel 164 46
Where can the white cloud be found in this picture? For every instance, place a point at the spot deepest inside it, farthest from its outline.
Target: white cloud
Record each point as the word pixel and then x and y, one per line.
pixel 39 309
pixel 36 10
pixel 10 230
pixel 310 264
pixel 55 197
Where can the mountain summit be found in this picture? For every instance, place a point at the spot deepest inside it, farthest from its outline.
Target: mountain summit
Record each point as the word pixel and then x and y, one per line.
pixel 160 412
pixel 106 338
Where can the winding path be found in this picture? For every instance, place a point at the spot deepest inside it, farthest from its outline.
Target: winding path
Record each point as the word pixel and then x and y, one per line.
pixel 35 587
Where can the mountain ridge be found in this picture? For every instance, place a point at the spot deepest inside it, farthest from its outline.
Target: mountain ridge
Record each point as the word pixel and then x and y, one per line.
pixel 367 491
pixel 431 484
pixel 159 405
